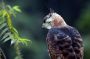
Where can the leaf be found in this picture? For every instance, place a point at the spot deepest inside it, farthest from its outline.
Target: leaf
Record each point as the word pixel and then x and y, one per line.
pixel 14 30
pixel 7 38
pixel 13 34
pixel 4 13
pixel 11 10
pixel 24 41
pixel 1 12
pixel 16 8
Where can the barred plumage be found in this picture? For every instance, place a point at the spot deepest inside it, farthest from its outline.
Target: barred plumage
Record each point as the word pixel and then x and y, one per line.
pixel 64 41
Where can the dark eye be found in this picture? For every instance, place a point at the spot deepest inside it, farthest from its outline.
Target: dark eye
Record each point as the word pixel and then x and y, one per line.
pixel 44 21
pixel 50 14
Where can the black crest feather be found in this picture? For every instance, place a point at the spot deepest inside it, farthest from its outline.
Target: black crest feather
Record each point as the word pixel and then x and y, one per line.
pixel 51 10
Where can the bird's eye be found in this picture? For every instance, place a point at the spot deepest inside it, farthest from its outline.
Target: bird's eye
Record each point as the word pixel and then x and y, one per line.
pixel 50 14
pixel 44 21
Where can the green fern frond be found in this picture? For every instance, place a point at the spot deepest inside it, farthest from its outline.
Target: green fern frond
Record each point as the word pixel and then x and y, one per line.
pixel 7 30
pixel 16 8
pixel 6 13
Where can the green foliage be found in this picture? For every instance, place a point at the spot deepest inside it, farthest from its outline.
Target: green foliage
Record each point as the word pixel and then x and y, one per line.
pixel 16 8
pixel 84 21
pixel 6 12
pixel 2 54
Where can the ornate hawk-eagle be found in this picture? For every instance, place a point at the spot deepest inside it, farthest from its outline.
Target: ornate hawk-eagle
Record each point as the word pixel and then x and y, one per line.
pixel 64 41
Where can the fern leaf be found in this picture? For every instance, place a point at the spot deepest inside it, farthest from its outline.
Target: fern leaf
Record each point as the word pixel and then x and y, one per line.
pixel 16 8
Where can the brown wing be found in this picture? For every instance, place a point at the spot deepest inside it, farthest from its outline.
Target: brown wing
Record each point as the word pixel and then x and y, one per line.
pixel 62 45
pixel 76 40
pixel 78 48
pixel 77 43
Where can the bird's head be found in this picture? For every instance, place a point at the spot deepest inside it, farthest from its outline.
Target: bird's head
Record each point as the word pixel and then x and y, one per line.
pixel 53 20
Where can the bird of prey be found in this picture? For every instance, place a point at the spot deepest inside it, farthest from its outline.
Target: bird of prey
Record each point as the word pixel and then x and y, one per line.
pixel 63 41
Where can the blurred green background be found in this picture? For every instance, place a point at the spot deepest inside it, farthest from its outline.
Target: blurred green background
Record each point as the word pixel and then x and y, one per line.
pixel 75 12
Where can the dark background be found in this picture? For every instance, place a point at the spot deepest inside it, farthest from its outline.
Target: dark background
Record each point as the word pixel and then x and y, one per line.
pixel 75 12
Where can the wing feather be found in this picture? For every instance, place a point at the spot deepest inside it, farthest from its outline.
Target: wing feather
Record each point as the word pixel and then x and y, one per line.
pixel 65 43
pixel 77 43
pixel 59 45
